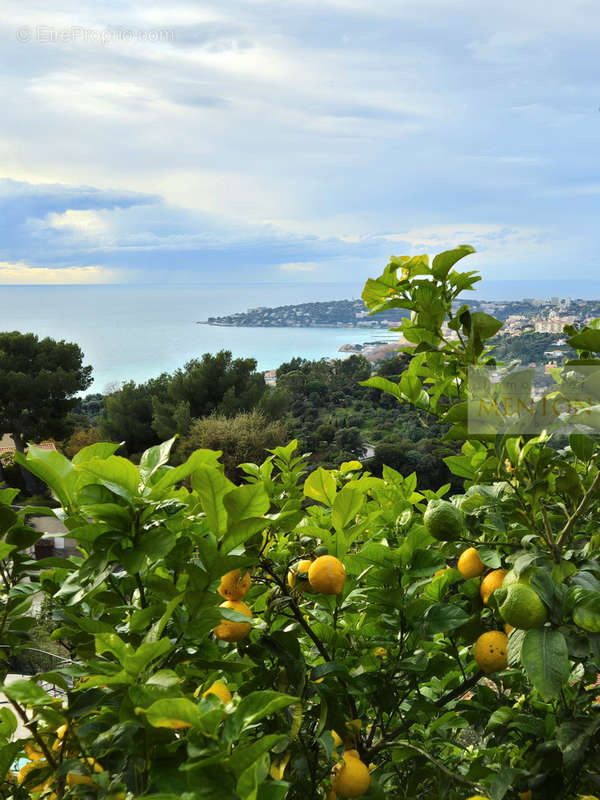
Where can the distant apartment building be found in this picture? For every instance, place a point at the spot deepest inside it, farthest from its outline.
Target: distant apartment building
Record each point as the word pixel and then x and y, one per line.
pixel 552 324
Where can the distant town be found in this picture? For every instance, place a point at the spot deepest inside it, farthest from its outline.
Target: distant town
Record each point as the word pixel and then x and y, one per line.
pixel 328 314
pixel 532 331
pixel 539 316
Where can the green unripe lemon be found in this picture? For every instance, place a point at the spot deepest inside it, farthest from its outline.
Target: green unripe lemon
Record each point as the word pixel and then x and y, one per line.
pixel 522 607
pixel 443 520
pixel 512 577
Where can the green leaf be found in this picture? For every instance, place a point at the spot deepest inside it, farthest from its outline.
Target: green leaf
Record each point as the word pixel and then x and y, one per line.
pixel 165 678
pixel 178 713
pixel 93 451
pixel 500 718
pixel 443 262
pixel 586 608
pixel 54 469
pixel 380 290
pixel 377 382
pixel 243 502
pixel 583 446
pixel 144 655
pixel 116 473
pixel 545 658
pixel 244 756
pixel 8 724
pixel 484 325
pixel 7 496
pixel 586 339
pixel 489 556
pixel 28 693
pixel 155 457
pixel 212 486
pixel 574 738
pixel 444 617
pixel 273 790
pixel 425 562
pixel 320 486
pixel 8 754
pixel 346 506
pixel 6 549
pixel 250 780
pixel 156 630
pixel 237 534
pixel 258 705
pixel 199 458
pixel 112 643
pixel 461 466
pixel 502 782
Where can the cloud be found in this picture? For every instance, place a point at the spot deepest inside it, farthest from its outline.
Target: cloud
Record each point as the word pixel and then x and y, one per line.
pixel 263 134
pixel 21 274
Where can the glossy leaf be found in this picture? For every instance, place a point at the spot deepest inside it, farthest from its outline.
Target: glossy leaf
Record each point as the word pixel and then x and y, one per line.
pixel 545 657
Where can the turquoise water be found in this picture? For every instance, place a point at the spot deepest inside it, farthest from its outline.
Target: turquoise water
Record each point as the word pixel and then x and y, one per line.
pixel 137 332
pixel 134 332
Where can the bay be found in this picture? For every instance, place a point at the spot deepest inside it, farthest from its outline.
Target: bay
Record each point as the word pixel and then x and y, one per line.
pixel 134 332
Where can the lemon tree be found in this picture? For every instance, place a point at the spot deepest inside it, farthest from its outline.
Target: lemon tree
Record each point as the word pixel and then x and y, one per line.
pixel 315 634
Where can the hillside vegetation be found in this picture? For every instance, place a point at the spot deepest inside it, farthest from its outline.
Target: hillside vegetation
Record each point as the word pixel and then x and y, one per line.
pixel 324 634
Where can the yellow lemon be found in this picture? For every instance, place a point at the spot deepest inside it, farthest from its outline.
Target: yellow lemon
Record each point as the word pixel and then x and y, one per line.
pixel 301 568
pixel 33 753
pixel 490 651
pixel 229 631
pixel 469 564
pixel 234 586
pixel 327 575
pixel 380 652
pixel 350 777
pixel 60 735
pixel 219 688
pixel 74 779
pixel 492 581
pixel 525 795
pixel 30 767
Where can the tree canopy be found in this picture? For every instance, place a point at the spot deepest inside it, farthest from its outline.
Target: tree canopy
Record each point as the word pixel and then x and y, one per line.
pixel 39 379
pixel 327 633
pixel 142 414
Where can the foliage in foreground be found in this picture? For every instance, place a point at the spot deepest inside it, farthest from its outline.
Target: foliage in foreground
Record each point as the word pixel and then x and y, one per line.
pixel 387 663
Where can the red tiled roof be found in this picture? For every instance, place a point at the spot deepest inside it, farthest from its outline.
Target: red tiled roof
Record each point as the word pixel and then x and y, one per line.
pixel 8 446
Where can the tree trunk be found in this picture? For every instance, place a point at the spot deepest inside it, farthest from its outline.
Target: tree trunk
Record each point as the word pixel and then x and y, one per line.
pixel 29 480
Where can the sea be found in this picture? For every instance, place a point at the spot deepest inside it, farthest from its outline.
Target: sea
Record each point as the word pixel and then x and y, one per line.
pixel 135 332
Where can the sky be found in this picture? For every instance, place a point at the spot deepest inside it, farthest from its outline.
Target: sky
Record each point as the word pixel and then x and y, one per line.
pixel 297 140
